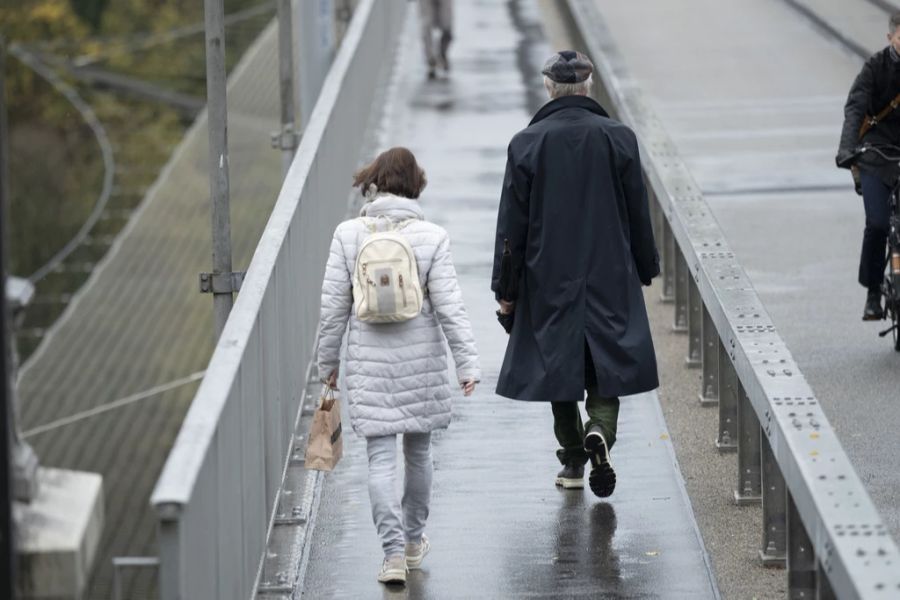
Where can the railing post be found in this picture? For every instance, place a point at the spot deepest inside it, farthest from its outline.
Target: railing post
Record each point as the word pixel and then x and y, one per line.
pixel 668 262
pixel 801 558
pixel 749 485
pixel 728 401
pixel 681 292
pixel 169 573
pixel 774 499
pixel 709 392
pixel 824 591
pixel 695 324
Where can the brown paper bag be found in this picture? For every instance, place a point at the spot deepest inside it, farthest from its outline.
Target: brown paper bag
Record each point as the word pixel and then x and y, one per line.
pixel 326 444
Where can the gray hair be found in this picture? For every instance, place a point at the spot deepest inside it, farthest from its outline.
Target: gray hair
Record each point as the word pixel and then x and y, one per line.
pixel 894 23
pixel 558 90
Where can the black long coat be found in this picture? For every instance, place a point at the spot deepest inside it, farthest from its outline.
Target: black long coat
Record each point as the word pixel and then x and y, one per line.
pixel 574 209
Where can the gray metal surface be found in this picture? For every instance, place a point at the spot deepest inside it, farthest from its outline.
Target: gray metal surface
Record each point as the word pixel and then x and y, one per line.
pixel 847 534
pixel 287 138
pixel 216 495
pixel 498 526
pixel 219 188
pixel 313 22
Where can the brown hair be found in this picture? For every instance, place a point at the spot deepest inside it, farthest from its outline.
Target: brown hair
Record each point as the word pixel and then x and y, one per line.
pixel 394 171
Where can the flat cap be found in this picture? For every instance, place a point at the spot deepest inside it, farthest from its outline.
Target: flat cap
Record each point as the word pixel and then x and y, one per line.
pixel 568 66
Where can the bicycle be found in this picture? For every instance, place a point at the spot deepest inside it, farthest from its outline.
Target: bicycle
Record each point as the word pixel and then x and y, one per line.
pixel 890 288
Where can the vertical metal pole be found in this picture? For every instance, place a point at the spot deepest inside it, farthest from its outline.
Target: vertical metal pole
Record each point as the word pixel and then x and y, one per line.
pixel 668 262
pixel 709 394
pixel 801 558
pixel 694 324
pixel 728 386
pixel 7 545
pixel 749 484
pixel 774 505
pixel 217 107
pixel 680 324
pixel 171 586
pixel 286 140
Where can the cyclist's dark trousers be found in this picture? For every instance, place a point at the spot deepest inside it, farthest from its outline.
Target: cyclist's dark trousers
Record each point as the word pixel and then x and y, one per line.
pixel 877 199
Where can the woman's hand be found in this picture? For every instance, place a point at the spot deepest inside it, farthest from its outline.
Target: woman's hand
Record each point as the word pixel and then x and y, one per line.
pixel 331 380
pixel 468 387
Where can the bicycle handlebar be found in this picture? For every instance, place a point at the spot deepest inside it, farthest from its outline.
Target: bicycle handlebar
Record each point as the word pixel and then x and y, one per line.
pixel 859 151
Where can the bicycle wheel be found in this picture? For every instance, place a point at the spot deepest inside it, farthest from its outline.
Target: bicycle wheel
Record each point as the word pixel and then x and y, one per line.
pixel 895 321
pixel 892 307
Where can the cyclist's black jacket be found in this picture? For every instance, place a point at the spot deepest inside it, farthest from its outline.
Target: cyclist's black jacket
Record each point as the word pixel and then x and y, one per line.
pixel 876 85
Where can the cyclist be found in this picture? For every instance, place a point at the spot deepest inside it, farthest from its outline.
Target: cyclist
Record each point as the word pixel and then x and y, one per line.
pixel 870 118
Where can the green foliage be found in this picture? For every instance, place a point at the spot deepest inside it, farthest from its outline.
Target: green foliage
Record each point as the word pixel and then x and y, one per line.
pixel 56 170
pixel 37 20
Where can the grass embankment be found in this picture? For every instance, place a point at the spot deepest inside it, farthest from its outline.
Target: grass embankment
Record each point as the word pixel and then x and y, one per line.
pixel 56 167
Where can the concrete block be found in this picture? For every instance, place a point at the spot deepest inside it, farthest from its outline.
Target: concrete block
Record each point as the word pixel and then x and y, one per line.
pixel 58 534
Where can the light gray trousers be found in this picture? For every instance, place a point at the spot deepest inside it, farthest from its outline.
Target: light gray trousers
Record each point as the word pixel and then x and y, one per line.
pixel 399 521
pixel 436 14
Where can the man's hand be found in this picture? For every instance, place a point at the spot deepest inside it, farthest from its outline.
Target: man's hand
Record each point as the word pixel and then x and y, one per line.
pixel 506 307
pixel 846 159
pixel 468 387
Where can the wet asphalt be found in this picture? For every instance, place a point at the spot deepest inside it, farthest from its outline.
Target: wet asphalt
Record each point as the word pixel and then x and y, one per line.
pixel 499 527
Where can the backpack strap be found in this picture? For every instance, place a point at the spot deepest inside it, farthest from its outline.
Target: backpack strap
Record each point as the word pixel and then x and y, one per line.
pixel 870 122
pixel 401 224
pixel 371 223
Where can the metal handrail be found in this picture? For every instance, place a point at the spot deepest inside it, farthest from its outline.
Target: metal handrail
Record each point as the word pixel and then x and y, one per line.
pixel 817 516
pixel 220 485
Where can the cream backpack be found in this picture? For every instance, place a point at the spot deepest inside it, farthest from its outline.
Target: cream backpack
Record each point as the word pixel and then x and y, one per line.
pixel 386 286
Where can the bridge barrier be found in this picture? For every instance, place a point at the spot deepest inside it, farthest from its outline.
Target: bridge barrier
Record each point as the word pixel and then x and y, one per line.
pixel 216 496
pixel 818 519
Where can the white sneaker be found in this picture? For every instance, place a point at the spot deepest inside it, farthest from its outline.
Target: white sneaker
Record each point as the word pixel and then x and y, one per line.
pixel 393 570
pixel 415 553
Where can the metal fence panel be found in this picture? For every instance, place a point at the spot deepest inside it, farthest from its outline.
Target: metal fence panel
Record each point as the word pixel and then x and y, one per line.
pixel 216 495
pixel 272 399
pixel 251 461
pixel 228 503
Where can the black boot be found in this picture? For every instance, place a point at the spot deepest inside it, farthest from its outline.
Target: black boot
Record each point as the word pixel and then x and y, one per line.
pixel 873 310
pixel 602 478
pixel 572 475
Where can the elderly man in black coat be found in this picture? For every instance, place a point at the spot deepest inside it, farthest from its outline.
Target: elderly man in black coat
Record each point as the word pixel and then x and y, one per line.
pixel 575 218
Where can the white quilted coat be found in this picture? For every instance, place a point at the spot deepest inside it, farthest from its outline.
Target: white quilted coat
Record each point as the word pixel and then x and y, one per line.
pixel 395 374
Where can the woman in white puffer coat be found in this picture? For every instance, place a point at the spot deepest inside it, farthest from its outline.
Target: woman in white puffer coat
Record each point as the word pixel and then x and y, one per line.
pixel 396 374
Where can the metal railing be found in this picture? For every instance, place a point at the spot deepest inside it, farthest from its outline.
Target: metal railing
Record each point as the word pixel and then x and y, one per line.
pixel 216 495
pixel 818 519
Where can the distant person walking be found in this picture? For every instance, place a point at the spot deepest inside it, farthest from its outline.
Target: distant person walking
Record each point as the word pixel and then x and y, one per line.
pixel 436 18
pixel 575 220
pixel 391 278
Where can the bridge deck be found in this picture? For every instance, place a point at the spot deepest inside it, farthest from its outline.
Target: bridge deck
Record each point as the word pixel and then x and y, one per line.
pixel 499 527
